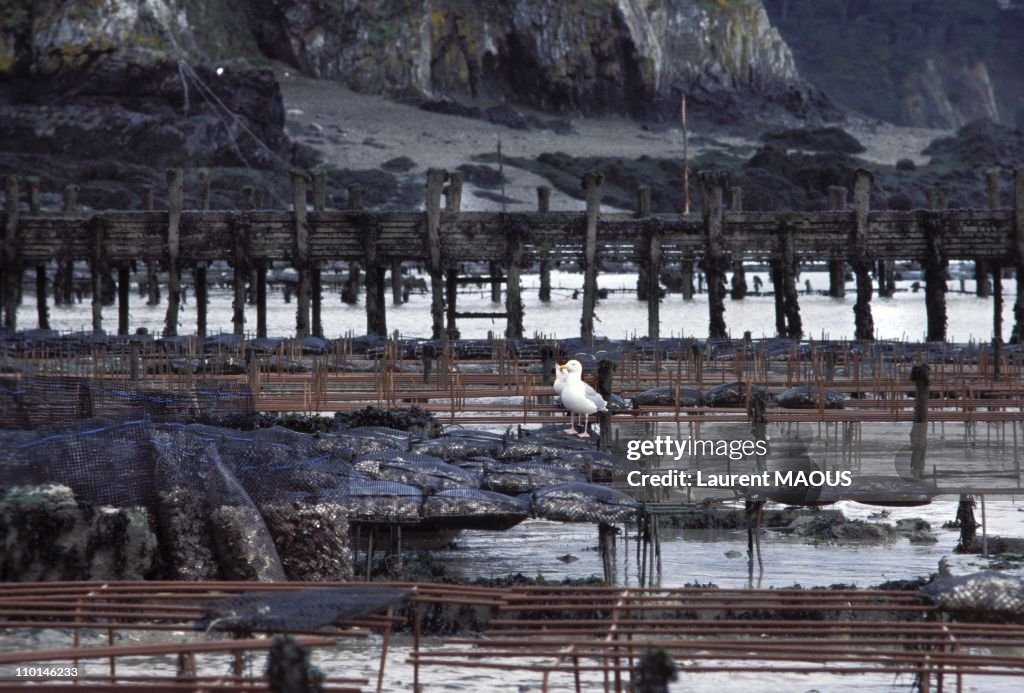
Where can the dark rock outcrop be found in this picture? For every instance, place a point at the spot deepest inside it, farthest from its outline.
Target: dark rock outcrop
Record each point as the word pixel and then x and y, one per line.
pixel 114 125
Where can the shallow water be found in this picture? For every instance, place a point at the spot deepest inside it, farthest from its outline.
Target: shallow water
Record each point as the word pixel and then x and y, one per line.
pixel 688 556
pixel 691 556
pixel 619 316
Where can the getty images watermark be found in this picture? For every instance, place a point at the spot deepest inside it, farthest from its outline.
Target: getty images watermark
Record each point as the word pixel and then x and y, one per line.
pixel 667 447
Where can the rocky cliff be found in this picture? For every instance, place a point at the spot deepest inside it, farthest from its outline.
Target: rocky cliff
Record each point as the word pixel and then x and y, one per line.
pixel 620 56
pixel 912 62
pixel 634 57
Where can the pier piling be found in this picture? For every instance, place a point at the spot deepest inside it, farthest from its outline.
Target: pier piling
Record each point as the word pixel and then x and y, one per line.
pixel 738 286
pixel 544 205
pixel 864 325
pixel 436 178
pixel 592 182
pixel 714 258
pixel 301 258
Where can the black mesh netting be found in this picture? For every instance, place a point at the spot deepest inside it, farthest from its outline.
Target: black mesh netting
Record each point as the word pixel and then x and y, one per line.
pixel 522 477
pixel 584 503
pixel 366 439
pixel 103 463
pixel 299 610
pixel 206 512
pixel 370 500
pixel 428 473
pixel 999 596
pixel 468 508
pixel 39 401
pixel 462 445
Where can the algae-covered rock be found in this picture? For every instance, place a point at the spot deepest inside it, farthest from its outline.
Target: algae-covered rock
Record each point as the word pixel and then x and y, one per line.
pixel 48 535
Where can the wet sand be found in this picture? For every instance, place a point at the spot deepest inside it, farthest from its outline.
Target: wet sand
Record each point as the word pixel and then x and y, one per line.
pixel 361 131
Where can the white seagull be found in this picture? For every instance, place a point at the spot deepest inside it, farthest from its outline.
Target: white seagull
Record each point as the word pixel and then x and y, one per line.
pixel 578 397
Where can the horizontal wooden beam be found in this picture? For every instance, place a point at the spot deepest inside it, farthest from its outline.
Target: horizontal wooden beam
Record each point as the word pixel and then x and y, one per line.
pixel 205 236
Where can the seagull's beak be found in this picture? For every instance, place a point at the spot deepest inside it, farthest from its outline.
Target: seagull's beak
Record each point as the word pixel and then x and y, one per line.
pixel 562 367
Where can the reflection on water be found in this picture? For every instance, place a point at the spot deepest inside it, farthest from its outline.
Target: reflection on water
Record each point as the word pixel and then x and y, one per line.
pixel 699 556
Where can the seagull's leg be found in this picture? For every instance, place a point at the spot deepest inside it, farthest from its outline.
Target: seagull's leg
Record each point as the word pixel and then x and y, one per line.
pixel 585 434
pixel 572 424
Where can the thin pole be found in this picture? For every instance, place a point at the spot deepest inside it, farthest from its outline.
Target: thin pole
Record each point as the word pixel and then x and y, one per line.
pixel 686 156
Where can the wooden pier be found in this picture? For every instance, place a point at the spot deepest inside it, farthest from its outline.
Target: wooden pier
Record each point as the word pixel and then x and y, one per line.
pixel 186 239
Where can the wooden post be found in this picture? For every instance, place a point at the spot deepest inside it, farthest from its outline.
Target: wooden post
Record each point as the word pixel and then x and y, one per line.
pixel 836 267
pixel 643 209
pixel 34 193
pixel 982 286
pixel 133 360
pixel 34 190
pixel 350 293
pixel 515 239
pixel 714 258
pixel 70 198
pixel 11 271
pixel 686 270
pixel 935 264
pixel 494 270
pixel 885 271
pixel 864 325
pixel 319 206
pixel 202 300
pixel 203 192
pixel 738 287
pixel 547 368
pixel 175 200
pixel 451 292
pixel 919 375
pixel 97 269
pixel 243 270
pixel 1018 237
pixel 42 310
pixel 199 270
pixel 319 190
pixel 453 203
pixel 992 188
pixel 605 374
pixel 301 249
pixel 592 181
pixel 63 278
pixel 544 205
pixel 376 317
pixel 397 296
pixel 124 291
pixel 239 273
pixel 653 264
pixel 261 300
pixel 778 292
pixel 791 305
pixel 152 282
pixel 436 178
